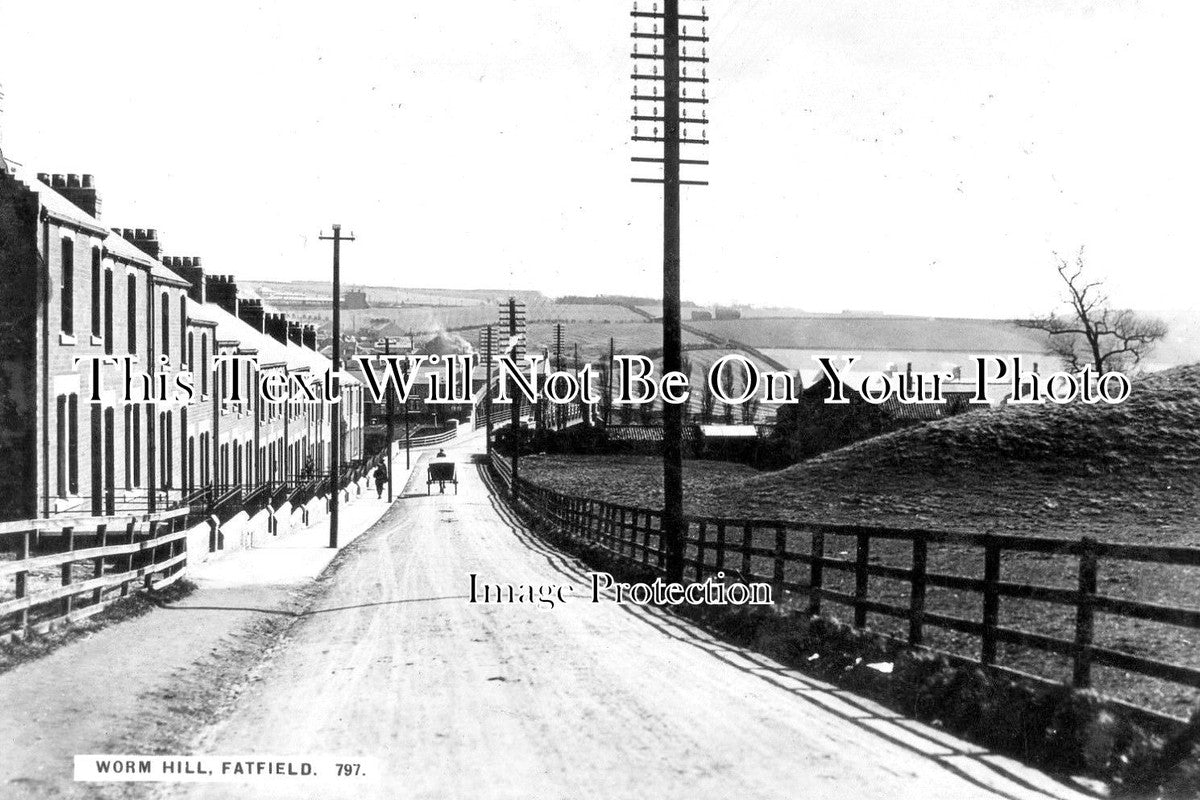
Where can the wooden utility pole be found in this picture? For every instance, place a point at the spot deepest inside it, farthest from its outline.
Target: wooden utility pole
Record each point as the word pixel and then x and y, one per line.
pixel 487 387
pixel 335 425
pixel 513 332
pixel 673 77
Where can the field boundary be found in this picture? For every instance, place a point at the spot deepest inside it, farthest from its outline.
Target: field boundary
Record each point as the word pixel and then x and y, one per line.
pixel 733 546
pixel 146 546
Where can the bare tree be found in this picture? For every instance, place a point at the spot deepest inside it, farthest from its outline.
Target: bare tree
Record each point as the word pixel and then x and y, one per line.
pixel 1094 333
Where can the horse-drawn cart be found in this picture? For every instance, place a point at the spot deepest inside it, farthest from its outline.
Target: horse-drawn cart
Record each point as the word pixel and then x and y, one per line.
pixel 441 473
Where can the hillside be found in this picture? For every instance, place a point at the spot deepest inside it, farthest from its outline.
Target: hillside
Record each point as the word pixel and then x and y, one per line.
pixel 1124 471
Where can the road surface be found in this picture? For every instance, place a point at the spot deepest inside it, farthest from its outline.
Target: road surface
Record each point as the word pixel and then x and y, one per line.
pixel 445 698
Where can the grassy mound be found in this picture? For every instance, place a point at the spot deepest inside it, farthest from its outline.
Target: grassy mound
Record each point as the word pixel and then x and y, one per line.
pixel 1124 471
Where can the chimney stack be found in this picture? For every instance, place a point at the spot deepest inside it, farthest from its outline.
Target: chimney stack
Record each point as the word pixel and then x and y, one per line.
pixel 309 335
pixel 276 326
pixel 191 270
pixel 79 189
pixel 250 311
pixel 144 239
pixel 222 291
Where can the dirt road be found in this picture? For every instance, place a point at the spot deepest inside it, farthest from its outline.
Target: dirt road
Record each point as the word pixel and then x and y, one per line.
pixel 453 699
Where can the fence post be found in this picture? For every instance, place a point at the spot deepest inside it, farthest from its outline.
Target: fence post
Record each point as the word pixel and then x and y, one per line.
pixel 816 572
pixel 98 570
pixel 151 556
pixel 1085 622
pixel 645 539
pixel 68 601
pixel 747 543
pixel 991 601
pixel 720 565
pixel 699 550
pixel 916 616
pixel 862 556
pixel 778 572
pixel 131 529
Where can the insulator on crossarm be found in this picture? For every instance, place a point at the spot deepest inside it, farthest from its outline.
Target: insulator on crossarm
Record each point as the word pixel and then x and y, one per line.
pixel 703 93
pixel 635 48
pixel 656 131
pixel 704 52
pixel 635 130
pixel 654 8
pixel 683 91
pixel 703 12
pixel 655 49
pixel 685 133
pixel 684 72
pixel 656 111
pixel 703 73
pixel 685 51
pixel 655 68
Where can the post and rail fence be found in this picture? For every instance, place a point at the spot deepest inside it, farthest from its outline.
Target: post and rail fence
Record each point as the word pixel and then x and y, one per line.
pixel 802 567
pixel 67 569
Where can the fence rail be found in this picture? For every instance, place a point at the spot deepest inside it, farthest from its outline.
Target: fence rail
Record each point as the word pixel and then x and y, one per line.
pixel 797 561
pixel 68 569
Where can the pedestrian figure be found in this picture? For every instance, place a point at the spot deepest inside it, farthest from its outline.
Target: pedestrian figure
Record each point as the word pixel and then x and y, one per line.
pixel 381 478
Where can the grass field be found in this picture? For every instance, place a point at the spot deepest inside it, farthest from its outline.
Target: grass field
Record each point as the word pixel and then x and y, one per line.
pixel 853 333
pixel 632 336
pixel 1118 473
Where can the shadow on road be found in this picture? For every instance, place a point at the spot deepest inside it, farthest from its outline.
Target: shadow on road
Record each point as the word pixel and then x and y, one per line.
pixel 311 612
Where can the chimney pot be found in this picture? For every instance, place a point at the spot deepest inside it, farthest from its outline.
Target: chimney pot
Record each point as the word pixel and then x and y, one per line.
pixel 88 181
pixel 196 261
pixel 44 177
pixel 151 233
pixel 58 180
pixel 73 181
pixel 140 233
pixel 187 261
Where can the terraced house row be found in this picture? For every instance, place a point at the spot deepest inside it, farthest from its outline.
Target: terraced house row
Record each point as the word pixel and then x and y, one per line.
pixel 73 289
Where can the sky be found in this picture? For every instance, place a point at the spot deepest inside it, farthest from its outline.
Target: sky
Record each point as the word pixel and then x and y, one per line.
pixel 909 157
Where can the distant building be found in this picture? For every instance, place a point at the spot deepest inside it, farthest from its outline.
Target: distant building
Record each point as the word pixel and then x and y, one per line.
pixel 726 312
pixel 700 315
pixel 355 300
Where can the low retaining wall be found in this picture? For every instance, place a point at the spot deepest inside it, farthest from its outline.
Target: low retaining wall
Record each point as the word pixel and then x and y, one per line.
pixel 207 539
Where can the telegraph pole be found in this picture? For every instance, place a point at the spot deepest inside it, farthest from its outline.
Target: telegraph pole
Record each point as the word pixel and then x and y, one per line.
pixel 335 432
pixel 674 79
pixel 514 331
pixel 406 367
pixel 487 387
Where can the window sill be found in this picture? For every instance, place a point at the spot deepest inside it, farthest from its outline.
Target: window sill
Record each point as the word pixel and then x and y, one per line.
pixel 65 338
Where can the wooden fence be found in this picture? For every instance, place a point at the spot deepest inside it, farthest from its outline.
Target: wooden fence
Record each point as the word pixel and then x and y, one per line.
pixel 796 560
pixel 68 569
